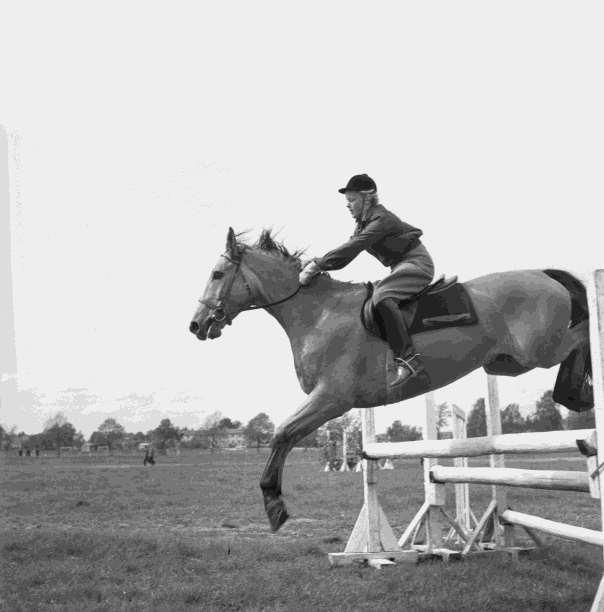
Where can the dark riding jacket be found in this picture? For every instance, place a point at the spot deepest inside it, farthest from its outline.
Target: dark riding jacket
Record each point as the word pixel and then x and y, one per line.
pixel 382 234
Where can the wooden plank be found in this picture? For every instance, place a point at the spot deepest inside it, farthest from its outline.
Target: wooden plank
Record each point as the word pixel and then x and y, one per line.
pixel 562 530
pixel 472 541
pixel 530 442
pixel 400 556
pixel 559 480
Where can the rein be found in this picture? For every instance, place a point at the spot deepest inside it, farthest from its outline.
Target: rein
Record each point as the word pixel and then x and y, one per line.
pixel 219 310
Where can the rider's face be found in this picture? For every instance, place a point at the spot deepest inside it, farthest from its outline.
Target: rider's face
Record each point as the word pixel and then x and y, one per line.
pixel 354 203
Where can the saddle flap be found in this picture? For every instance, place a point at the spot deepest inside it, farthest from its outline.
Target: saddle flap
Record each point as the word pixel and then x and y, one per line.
pixel 444 303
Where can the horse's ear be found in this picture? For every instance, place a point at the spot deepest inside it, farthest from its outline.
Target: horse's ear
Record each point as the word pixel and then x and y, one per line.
pixel 231 243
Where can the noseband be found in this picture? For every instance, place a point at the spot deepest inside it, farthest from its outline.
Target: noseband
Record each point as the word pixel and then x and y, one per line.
pixel 219 311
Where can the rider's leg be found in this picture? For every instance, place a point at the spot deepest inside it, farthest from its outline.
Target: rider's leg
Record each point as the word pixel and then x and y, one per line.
pixel 399 340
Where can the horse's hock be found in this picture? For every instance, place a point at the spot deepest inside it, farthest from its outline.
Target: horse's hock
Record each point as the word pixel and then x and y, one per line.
pixel 373 540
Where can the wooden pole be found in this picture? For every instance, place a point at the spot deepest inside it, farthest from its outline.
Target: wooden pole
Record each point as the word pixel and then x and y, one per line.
pixel 562 530
pixel 531 442
pixel 562 480
pixel 462 490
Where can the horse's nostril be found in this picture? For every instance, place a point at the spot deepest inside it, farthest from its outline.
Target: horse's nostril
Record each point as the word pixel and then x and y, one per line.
pixel 194 327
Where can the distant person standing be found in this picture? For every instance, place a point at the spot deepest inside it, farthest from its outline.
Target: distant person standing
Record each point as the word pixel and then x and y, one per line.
pixel 149 458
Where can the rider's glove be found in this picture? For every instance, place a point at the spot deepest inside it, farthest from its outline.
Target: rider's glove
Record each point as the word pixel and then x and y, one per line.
pixel 311 269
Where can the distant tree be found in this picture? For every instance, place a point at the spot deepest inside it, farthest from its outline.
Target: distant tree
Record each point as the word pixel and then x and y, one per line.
pixel 226 423
pixel 211 426
pixel 259 430
pixel 139 437
pixel 56 420
pixel 39 441
pixel 397 432
pixel 212 420
pixel 58 432
pixel 477 419
pixel 3 438
pixel 547 417
pixel 511 419
pixel 109 432
pixel 165 434
pixel 78 440
pixel 98 439
pixel 581 420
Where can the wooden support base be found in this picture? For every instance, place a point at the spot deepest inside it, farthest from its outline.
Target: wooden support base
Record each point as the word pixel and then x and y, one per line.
pixel 360 548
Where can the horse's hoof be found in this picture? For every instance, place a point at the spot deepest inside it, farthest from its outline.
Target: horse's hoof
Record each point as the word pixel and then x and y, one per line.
pixel 277 514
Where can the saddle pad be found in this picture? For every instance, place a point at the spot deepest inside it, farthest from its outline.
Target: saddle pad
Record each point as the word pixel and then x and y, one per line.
pixel 449 307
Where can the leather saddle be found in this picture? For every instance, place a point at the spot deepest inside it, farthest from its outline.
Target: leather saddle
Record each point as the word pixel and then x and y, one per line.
pixel 444 303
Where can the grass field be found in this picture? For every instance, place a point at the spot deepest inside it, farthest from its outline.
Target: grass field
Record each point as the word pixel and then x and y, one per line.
pixel 190 532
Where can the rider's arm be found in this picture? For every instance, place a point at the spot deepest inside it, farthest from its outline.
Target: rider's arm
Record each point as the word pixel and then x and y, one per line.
pixel 375 230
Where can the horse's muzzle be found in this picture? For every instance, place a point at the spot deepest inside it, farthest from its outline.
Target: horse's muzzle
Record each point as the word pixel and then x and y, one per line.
pixel 209 328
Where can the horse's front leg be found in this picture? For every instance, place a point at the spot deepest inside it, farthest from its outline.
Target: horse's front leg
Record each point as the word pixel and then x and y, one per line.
pixel 318 408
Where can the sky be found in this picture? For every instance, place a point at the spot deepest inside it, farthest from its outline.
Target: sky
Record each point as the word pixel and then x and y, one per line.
pixel 141 131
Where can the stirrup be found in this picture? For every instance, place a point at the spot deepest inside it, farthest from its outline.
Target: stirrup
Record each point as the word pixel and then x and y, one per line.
pixel 406 363
pixel 406 371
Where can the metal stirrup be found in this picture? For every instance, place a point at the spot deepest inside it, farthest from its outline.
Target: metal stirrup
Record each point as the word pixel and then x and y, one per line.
pixel 405 362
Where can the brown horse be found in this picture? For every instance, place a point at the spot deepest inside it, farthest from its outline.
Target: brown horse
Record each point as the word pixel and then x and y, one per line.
pixel 526 319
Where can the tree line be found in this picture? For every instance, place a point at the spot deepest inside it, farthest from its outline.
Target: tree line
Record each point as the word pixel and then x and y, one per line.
pixel 217 431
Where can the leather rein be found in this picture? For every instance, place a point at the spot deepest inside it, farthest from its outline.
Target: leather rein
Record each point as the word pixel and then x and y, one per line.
pixel 219 308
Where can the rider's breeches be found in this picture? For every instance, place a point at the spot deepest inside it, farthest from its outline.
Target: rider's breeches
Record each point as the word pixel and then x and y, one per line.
pixel 394 327
pixel 406 278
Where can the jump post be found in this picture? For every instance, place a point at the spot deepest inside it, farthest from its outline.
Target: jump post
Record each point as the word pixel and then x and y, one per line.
pixel 372 538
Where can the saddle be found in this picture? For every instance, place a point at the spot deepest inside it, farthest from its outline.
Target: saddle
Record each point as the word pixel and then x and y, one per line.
pixel 444 303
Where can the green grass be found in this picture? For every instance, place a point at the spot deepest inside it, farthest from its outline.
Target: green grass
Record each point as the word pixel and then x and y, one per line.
pixel 191 533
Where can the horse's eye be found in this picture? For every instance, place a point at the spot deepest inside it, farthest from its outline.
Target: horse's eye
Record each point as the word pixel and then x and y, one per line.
pixel 217 275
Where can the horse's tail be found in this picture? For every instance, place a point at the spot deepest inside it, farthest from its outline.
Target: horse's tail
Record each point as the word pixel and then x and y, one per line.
pixel 578 294
pixel 573 387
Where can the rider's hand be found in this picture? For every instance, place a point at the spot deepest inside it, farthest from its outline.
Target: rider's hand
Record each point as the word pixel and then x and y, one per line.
pixel 310 270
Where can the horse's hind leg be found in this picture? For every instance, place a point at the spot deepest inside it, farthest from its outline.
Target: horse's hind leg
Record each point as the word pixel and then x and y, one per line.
pixel 319 408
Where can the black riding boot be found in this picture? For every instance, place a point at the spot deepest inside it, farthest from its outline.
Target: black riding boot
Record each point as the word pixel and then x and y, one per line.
pixel 408 361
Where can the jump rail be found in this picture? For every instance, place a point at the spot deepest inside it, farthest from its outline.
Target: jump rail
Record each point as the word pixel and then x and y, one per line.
pixel 563 480
pixel 532 442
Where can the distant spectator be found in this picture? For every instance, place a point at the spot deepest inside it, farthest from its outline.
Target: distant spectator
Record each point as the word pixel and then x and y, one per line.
pixel 37 452
pixel 20 452
pixel 149 455
pixel 28 452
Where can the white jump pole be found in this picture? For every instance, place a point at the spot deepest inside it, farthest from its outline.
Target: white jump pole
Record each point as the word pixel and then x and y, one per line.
pixel 463 512
pixel 344 467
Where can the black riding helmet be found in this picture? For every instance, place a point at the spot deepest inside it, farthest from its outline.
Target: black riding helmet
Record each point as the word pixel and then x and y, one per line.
pixel 359 182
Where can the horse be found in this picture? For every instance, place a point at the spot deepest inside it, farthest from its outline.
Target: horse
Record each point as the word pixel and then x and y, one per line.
pixel 526 319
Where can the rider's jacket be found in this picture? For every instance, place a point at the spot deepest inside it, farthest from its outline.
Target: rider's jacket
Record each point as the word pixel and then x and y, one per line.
pixel 382 234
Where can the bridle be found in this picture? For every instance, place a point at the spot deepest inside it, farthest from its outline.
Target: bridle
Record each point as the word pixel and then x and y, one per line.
pixel 219 311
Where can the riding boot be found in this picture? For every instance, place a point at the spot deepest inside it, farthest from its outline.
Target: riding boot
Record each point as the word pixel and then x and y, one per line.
pixel 407 360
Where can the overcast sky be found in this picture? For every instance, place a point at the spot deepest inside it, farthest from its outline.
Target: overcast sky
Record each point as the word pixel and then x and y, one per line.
pixel 146 129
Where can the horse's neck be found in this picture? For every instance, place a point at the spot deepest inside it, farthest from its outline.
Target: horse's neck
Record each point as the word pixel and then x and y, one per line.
pixel 323 297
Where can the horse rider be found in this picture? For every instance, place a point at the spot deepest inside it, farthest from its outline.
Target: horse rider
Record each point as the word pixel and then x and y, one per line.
pixel 396 245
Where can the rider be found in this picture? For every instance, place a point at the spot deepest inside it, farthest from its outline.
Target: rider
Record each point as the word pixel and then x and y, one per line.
pixel 395 244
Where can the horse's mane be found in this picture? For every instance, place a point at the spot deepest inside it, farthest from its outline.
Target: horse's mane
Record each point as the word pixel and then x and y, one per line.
pixel 266 242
